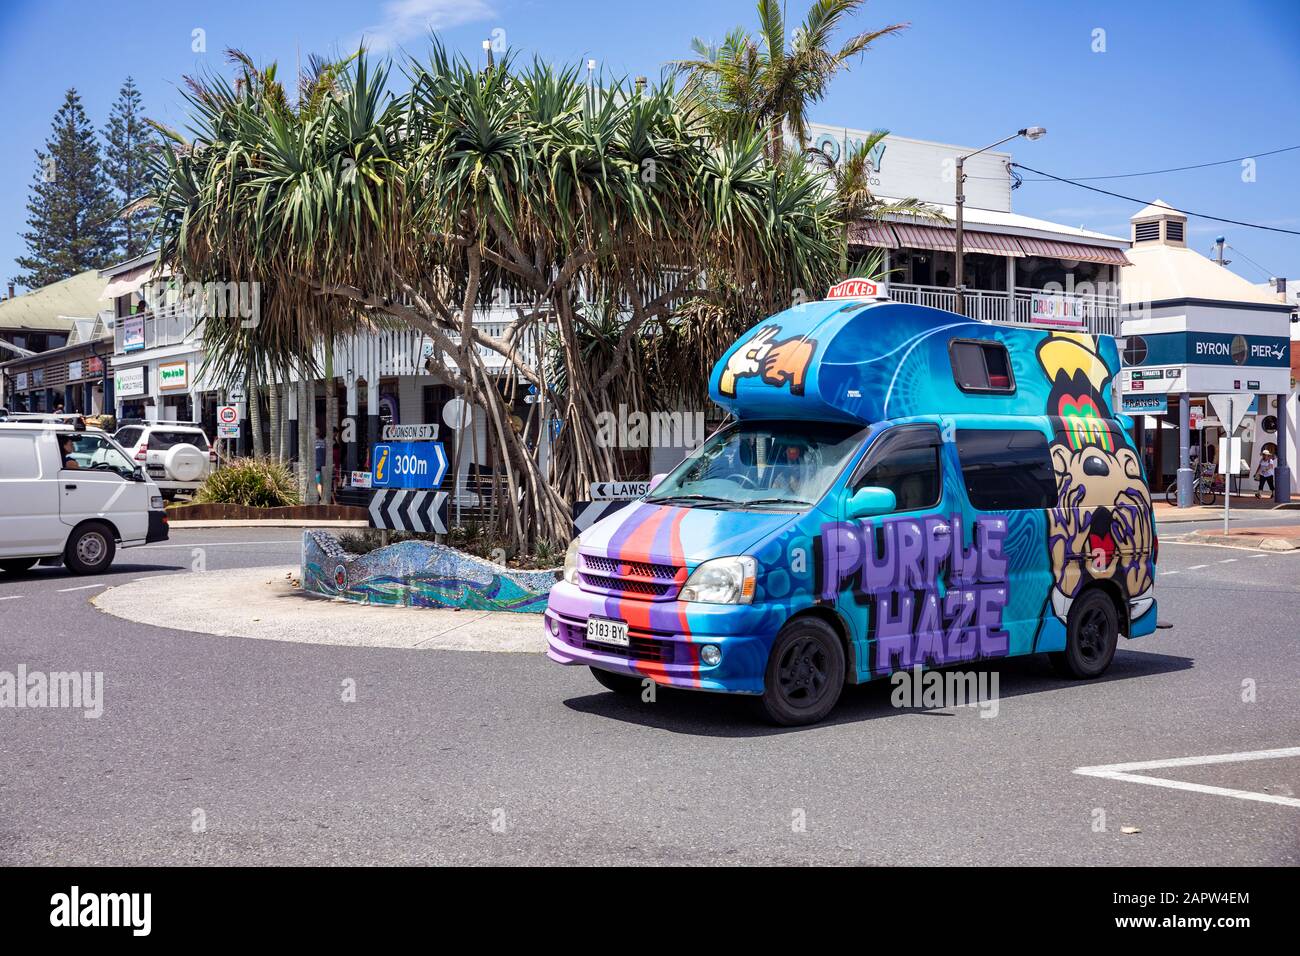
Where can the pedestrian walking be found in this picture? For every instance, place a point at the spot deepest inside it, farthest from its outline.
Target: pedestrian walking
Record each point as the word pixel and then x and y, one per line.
pixel 1264 471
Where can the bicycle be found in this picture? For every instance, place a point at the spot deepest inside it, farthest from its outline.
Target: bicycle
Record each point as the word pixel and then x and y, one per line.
pixel 1206 487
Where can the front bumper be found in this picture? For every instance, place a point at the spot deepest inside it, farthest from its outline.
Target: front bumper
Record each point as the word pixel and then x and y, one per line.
pixel 665 639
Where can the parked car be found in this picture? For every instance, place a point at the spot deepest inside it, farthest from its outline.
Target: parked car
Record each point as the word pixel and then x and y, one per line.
pixel 51 511
pixel 176 455
pixel 901 488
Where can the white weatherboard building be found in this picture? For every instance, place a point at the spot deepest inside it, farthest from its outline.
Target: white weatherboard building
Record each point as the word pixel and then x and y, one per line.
pixel 1194 329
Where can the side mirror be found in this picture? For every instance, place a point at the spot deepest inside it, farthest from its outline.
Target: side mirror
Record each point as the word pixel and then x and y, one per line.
pixel 867 502
pixel 655 480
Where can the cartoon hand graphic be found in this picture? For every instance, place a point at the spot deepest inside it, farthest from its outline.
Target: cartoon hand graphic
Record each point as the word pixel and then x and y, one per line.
pixel 788 361
pixel 746 360
pixel 1135 537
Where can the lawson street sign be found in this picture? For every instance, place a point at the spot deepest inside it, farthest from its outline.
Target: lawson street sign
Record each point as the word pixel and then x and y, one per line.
pixel 412 464
pixel 618 490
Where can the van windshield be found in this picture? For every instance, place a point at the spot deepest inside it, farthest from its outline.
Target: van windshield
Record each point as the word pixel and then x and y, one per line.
pixel 780 464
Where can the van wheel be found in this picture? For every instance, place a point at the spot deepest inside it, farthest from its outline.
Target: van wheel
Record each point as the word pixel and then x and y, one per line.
pixel 619 683
pixel 1092 632
pixel 17 565
pixel 90 549
pixel 805 673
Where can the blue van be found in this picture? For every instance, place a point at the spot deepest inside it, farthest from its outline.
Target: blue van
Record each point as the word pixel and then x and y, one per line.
pixel 896 487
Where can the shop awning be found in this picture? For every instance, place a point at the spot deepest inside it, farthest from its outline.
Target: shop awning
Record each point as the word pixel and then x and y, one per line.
pixel 872 234
pixel 1057 249
pixel 944 239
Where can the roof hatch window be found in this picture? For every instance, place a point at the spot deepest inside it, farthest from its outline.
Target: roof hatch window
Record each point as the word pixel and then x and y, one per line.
pixel 981 366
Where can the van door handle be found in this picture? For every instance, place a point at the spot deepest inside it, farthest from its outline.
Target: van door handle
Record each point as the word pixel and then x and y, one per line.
pixel 70 487
pixel 942 529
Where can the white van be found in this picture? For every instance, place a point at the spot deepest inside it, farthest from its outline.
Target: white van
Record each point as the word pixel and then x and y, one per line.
pixel 76 504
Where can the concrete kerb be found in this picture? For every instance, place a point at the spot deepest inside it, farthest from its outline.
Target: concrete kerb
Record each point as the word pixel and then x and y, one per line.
pixel 265 604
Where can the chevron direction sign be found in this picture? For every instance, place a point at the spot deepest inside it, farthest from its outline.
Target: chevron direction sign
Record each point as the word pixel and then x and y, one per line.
pixel 409 511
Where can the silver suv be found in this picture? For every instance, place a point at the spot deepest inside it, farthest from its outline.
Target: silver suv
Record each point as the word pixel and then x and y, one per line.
pixel 176 455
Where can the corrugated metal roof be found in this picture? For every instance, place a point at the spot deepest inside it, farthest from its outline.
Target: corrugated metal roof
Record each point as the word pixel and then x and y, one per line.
pixel 52 307
pixel 872 234
pixel 944 239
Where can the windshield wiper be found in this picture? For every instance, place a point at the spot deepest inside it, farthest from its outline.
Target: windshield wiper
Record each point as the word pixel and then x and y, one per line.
pixel 778 501
pixel 703 499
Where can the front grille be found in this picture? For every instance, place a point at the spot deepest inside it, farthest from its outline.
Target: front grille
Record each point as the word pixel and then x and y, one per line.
pixel 634 579
pixel 640 568
pixel 623 585
pixel 638 649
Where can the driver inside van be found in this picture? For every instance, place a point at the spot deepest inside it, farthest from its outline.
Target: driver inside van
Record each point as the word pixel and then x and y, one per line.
pixel 65 450
pixel 790 471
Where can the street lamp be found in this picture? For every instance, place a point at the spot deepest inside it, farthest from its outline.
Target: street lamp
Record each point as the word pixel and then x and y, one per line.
pixel 487 48
pixel 1029 132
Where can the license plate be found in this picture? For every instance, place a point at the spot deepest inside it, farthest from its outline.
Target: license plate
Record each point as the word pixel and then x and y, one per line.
pixel 603 631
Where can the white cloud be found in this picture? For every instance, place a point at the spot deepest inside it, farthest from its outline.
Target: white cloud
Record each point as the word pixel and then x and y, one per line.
pixel 405 20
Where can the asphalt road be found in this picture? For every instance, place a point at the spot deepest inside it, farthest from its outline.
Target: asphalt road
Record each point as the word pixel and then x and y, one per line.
pixel 448 757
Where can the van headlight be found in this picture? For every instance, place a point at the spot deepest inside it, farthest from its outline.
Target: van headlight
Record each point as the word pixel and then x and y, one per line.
pixel 571 563
pixel 722 581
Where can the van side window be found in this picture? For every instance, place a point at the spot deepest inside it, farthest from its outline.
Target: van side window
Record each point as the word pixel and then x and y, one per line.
pixel 981 366
pixel 1006 469
pixel 906 461
pixel 18 457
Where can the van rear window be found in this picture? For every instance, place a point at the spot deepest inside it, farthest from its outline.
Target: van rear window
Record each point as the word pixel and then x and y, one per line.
pixel 981 366
pixel 162 440
pixel 1006 469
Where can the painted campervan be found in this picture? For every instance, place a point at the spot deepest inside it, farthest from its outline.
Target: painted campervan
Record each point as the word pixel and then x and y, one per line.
pixel 895 487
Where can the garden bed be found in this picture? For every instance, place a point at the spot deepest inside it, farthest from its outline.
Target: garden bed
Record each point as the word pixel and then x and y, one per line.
pixel 414 573
pixel 228 512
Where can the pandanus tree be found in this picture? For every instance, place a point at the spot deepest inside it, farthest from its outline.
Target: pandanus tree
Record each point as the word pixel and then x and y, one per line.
pixel 417 210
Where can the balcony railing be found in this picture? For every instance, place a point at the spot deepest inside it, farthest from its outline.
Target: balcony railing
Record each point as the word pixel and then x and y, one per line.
pixel 1098 314
pixel 164 327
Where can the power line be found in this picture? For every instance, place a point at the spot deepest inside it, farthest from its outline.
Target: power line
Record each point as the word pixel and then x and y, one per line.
pixel 1158 172
pixel 1148 202
pixel 1266 272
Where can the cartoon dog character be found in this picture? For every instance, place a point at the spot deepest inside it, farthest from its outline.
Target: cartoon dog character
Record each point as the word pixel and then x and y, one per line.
pixel 778 362
pixel 1101 527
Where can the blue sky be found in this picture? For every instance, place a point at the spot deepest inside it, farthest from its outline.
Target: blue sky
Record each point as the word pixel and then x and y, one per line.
pixel 1178 83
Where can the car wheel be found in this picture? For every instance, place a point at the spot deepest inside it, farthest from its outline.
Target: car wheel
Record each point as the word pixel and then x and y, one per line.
pixel 90 549
pixel 805 673
pixel 1092 633
pixel 17 565
pixel 619 683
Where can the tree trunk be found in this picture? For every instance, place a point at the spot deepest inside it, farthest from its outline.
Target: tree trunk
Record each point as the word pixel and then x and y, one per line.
pixel 306 455
pixel 286 400
pixel 331 422
pixel 273 409
pixel 255 418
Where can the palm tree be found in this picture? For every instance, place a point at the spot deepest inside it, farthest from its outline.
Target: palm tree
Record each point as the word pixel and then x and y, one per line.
pixel 762 81
pixel 378 211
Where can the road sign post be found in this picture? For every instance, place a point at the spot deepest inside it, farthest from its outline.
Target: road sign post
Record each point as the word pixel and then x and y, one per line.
pixel 1231 409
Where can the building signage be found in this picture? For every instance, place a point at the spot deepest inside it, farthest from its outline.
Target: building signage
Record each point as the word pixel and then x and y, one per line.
pixel 173 376
pixel 133 333
pixel 129 382
pixel 94 365
pixel 1208 348
pixel 1056 311
pixel 74 371
pixel 856 289
pixel 412 464
pixel 20 380
pixel 1144 404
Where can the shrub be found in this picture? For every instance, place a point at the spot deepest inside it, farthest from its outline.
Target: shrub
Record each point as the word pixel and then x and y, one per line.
pixel 255 482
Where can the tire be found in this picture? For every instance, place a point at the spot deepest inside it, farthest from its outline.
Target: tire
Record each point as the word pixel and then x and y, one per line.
pixel 805 673
pixel 17 565
pixel 1092 633
pixel 1204 493
pixel 1171 495
pixel 90 549
pixel 624 684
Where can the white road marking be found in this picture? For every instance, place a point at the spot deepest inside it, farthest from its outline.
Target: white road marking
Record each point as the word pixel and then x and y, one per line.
pixel 1197 567
pixel 84 587
pixel 1227 560
pixel 1123 771
pixel 1261 555
pixel 12 597
pixel 1167 573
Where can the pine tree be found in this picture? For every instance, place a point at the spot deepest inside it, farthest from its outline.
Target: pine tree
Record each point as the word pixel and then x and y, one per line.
pixel 71 227
pixel 130 141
